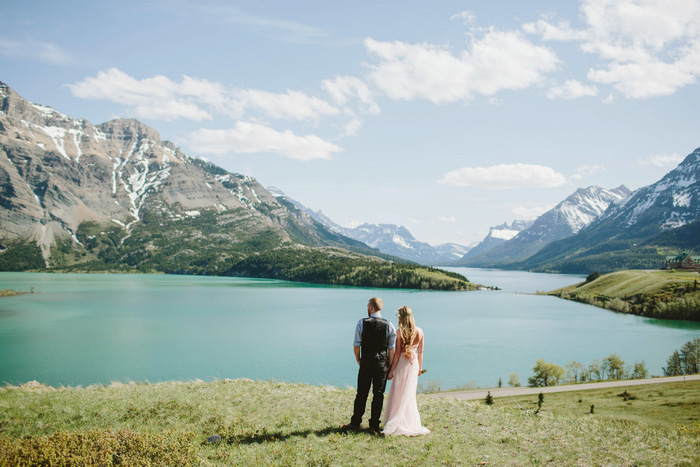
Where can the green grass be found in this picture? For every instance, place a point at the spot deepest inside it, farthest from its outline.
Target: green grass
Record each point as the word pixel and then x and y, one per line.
pixel 657 294
pixel 668 404
pixel 273 423
pixel 627 283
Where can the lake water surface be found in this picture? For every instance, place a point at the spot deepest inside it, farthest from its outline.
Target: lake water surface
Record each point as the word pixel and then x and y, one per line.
pixel 81 329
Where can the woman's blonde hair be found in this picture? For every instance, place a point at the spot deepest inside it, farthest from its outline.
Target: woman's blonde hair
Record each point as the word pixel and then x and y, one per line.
pixel 407 328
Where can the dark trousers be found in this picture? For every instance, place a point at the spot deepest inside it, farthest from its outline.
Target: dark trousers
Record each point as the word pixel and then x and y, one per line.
pixel 376 378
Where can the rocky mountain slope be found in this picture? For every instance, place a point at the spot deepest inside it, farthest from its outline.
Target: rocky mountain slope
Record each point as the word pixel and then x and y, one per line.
pixel 391 239
pixel 634 232
pixel 58 172
pixel 116 196
pixel 564 220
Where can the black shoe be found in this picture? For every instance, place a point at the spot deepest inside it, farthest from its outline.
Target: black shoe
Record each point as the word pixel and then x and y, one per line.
pixel 350 427
pixel 376 431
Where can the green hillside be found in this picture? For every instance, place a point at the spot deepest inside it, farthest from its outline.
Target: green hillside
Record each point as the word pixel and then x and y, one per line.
pixel 658 294
pixel 273 423
pixel 226 244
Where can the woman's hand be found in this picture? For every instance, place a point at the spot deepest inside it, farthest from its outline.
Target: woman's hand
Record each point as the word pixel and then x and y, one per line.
pixel 390 375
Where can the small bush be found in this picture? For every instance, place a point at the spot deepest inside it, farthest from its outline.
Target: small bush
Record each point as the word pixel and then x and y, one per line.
pixel 99 447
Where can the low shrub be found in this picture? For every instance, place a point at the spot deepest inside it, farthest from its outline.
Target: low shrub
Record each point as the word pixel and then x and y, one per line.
pixel 99 447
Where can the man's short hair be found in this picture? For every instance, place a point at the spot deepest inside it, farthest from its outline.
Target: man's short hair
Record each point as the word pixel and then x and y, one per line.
pixel 377 303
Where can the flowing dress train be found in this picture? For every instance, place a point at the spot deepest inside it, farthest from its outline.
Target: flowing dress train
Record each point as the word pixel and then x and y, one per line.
pixel 402 409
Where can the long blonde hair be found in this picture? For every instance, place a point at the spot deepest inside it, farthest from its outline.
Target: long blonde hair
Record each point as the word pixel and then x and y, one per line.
pixel 407 329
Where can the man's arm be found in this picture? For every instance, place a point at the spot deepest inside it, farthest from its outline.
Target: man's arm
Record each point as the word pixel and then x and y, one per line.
pixel 357 341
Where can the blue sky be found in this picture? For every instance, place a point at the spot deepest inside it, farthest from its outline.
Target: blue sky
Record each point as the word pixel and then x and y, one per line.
pixel 447 117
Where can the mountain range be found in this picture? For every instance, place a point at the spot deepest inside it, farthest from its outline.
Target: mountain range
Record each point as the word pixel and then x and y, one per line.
pixel 79 196
pixel 635 232
pixel 390 239
pixel 567 218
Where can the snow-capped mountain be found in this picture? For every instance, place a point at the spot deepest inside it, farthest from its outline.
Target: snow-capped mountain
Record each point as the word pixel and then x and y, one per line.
pixel 671 202
pixel 632 231
pixel 498 235
pixel 396 240
pixel 564 220
pixel 390 239
pixel 59 173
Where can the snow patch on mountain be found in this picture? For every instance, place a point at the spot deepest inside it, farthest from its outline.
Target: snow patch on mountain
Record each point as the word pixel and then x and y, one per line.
pixel 503 234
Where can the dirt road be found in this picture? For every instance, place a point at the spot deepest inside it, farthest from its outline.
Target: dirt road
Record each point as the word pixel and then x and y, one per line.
pixel 521 391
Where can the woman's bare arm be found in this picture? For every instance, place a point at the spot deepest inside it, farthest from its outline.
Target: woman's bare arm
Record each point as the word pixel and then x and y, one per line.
pixel 420 351
pixel 397 355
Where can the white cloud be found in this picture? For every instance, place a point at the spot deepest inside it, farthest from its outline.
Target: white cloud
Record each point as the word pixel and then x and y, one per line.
pixel 586 170
pixel 494 62
pixel 523 212
pixel 467 17
pixel 293 105
pixel 572 89
pixel 34 50
pixel 645 48
pixel 641 80
pixel 352 127
pixel 562 31
pixel 505 176
pixel 247 138
pixel 344 88
pixel 159 97
pixel 660 160
pixel 447 219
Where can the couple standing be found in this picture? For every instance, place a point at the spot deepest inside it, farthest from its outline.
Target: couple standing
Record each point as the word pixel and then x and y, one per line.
pixel 383 355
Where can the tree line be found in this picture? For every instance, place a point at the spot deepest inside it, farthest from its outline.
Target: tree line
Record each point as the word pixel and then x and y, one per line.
pixel 677 301
pixel 611 367
pixel 684 361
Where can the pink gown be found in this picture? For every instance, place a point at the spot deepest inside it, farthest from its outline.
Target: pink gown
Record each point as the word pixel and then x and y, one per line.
pixel 402 409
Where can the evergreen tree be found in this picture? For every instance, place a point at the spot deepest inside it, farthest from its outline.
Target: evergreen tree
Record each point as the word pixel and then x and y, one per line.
pixel 690 355
pixel 674 364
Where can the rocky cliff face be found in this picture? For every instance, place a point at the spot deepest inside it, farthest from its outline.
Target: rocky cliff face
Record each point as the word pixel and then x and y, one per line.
pixel 58 172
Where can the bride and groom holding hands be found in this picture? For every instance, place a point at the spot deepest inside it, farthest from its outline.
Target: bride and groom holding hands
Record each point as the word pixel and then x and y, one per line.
pixel 385 355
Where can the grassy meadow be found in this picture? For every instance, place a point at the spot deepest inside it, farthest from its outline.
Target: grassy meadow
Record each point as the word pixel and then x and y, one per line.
pixel 658 294
pixel 632 282
pixel 274 423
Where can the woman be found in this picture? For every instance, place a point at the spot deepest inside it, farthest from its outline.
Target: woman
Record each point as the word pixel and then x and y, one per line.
pixel 402 410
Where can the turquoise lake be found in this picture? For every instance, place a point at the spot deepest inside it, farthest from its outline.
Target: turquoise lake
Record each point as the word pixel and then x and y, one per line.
pixel 82 329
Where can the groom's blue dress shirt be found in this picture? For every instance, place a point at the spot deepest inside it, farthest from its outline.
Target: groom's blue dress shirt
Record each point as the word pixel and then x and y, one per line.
pixel 390 329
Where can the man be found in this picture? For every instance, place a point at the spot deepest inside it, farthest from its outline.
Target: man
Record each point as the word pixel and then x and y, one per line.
pixel 374 344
